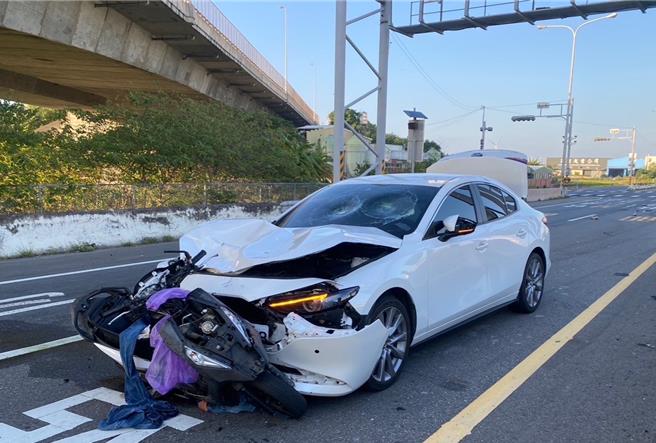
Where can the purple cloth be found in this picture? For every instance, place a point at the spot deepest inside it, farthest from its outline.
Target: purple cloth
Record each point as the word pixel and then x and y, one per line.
pixel 160 297
pixel 167 369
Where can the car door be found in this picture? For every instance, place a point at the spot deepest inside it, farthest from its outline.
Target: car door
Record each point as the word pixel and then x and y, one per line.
pixel 506 234
pixel 457 277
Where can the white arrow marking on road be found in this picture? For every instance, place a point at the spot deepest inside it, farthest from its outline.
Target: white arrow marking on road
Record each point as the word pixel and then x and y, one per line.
pixel 34 308
pixel 4 305
pixel 24 297
pixel 40 347
pixel 60 420
pixel 83 271
pixel 581 218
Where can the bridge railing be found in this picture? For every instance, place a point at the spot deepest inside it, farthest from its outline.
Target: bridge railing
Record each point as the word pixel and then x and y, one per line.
pixel 259 66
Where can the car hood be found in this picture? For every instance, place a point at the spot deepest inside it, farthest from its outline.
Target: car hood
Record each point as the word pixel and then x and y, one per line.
pixel 238 244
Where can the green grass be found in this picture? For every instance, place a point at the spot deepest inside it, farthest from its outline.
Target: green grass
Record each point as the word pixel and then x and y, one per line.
pixel 619 181
pixel 88 247
pixel 24 253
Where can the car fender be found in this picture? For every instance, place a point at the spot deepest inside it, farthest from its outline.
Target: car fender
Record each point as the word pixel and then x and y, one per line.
pixel 397 270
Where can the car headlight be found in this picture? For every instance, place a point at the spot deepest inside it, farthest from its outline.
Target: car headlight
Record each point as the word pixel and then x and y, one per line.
pixel 311 301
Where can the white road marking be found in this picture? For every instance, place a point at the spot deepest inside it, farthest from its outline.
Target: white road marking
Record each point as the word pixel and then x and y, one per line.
pixel 34 308
pixel 40 347
pixel 83 271
pixel 565 203
pixel 25 297
pixel 60 420
pixel 24 303
pixel 581 218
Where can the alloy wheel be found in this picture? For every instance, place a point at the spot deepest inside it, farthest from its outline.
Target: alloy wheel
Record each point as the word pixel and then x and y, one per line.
pixel 534 282
pixel 394 350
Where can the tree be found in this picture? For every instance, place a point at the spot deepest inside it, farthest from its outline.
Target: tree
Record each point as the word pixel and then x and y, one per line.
pixel 393 139
pixel 534 162
pixel 356 120
pixel 430 144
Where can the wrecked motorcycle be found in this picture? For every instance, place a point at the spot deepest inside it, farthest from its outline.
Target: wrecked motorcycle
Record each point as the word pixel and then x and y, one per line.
pixel 222 347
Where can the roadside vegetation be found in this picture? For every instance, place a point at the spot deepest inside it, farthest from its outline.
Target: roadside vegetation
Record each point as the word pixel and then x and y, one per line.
pixel 640 179
pixel 152 140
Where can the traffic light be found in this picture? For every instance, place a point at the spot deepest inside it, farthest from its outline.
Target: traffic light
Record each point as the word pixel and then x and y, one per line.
pixel 523 118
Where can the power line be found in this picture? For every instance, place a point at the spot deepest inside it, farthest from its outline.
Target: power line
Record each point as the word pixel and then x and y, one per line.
pixel 452 119
pixel 427 76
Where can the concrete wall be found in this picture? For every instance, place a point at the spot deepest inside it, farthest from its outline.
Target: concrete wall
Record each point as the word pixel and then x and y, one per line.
pixel 538 194
pixel 105 32
pixel 41 234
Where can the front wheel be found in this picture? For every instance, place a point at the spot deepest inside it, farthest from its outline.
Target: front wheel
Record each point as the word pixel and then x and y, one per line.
pixel 394 316
pixel 530 292
pixel 275 393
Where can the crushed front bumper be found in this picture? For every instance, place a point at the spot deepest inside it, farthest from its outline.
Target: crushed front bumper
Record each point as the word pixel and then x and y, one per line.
pixel 325 361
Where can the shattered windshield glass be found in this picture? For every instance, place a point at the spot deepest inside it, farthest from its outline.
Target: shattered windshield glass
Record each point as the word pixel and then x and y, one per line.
pixel 396 209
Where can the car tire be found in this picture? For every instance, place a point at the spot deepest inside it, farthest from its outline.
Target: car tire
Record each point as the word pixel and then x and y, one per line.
pixel 532 288
pixel 395 350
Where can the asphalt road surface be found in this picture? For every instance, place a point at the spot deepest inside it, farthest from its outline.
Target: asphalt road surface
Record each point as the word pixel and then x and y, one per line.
pixel 599 387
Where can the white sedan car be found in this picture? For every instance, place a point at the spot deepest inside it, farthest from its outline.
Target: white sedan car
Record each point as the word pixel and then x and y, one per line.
pixel 346 281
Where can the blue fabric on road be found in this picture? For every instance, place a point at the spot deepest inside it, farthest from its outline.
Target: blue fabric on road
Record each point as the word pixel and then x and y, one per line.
pixel 141 410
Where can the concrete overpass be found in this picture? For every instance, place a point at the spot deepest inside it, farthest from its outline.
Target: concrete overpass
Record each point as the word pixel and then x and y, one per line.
pixel 81 54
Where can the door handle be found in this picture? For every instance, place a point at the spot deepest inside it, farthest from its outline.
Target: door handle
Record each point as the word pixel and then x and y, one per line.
pixel 482 246
pixel 521 233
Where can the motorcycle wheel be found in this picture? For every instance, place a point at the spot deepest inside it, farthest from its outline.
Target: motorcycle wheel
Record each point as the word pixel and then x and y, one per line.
pixel 274 393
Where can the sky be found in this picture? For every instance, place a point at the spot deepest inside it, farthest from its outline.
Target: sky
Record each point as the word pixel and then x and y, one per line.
pixel 502 67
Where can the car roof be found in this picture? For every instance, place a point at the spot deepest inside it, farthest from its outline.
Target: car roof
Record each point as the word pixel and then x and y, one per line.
pixel 420 178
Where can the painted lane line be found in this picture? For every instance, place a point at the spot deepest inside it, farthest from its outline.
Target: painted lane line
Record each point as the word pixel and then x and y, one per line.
pixel 582 218
pixel 566 203
pixel 475 412
pixel 40 347
pixel 25 297
pixel 83 271
pixel 34 308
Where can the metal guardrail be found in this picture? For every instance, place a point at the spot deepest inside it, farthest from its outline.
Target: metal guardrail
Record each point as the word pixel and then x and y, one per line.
pixel 260 67
pixel 75 198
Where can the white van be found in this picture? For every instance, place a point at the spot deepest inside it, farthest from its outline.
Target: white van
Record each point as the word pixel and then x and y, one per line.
pixel 505 166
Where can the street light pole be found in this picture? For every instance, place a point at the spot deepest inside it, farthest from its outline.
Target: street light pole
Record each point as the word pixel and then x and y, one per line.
pixel 284 28
pixel 567 138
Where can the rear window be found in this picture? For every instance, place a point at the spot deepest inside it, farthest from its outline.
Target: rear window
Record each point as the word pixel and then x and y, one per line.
pixel 493 202
pixel 511 204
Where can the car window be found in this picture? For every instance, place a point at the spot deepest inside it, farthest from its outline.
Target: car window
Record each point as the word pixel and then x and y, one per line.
pixel 511 204
pixel 459 202
pixel 394 208
pixel 493 202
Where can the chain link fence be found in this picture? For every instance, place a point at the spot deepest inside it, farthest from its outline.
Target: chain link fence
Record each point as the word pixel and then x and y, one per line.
pixel 74 198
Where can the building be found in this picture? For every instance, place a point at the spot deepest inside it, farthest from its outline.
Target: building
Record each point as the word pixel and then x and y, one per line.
pixel 357 154
pixel 540 177
pixel 581 166
pixel 620 167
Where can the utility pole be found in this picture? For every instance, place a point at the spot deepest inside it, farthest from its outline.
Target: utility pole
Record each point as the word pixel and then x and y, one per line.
pixel 340 74
pixel 484 129
pixel 383 59
pixel 633 157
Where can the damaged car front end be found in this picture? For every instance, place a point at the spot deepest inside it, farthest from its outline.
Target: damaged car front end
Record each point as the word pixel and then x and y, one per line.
pixel 283 313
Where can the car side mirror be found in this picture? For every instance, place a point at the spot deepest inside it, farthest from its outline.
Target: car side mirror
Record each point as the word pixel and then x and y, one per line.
pixel 450 223
pixel 456 226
